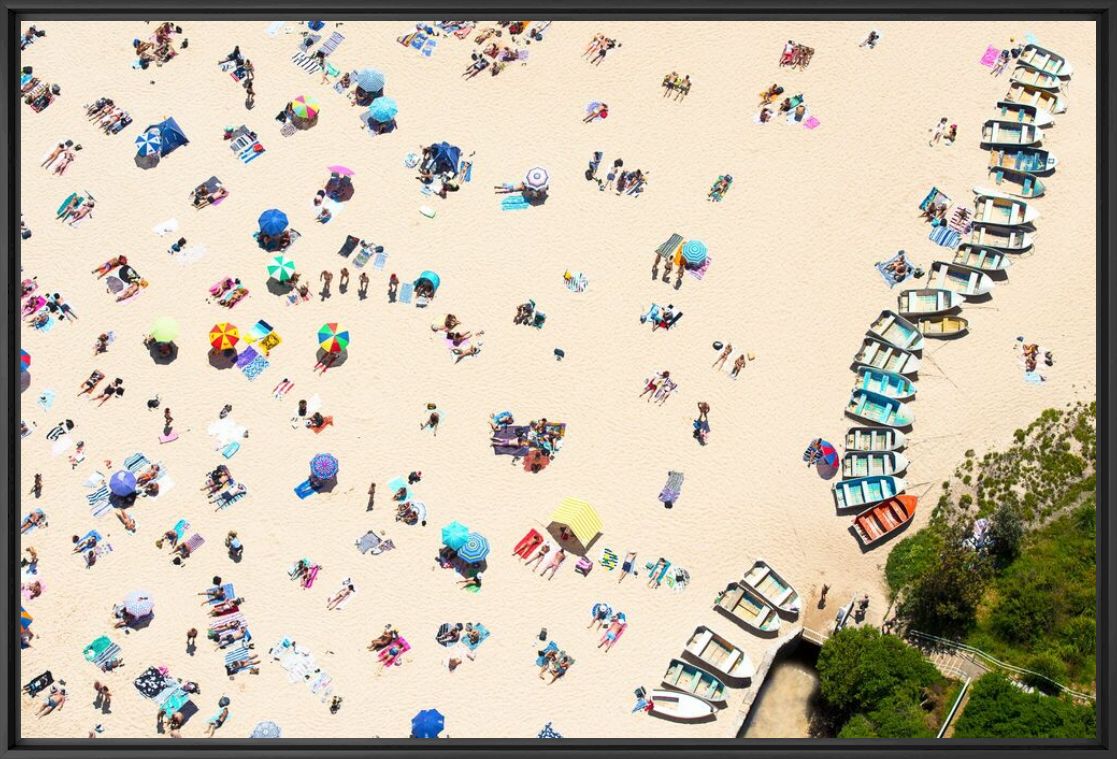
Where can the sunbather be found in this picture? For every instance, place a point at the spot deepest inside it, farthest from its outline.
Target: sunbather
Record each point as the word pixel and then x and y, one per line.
pixel 95 378
pixel 386 638
pixel 538 559
pixel 616 627
pixel 34 519
pixel 339 597
pixel 84 544
pixel 555 562
pixel 627 565
pixel 653 581
pixel 225 607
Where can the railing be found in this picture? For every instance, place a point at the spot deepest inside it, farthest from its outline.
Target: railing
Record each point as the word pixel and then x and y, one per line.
pixel 954 709
pixel 975 652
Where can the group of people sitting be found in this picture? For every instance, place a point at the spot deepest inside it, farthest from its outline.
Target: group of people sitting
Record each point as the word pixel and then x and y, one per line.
pixel 208 193
pixel 673 83
pixel 661 317
pixel 520 440
pixel 228 292
pixel 109 117
pixel 793 106
pixel 1030 353
pixel 796 55
pixel 158 48
pixel 527 313
pixel 448 634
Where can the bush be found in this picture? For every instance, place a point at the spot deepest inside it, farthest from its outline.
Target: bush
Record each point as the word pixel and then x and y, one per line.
pixel 897 716
pixel 1021 614
pixel 1006 530
pixel 859 667
pixel 1050 666
pixel 999 709
pixel 912 557
pixel 943 599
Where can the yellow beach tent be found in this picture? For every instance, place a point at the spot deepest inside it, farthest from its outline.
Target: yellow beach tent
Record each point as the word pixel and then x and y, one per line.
pixel 575 525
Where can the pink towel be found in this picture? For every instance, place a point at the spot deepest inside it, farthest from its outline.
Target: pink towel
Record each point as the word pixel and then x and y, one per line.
pixel 990 57
pixel 310 576
pixel 811 123
pixel 168 438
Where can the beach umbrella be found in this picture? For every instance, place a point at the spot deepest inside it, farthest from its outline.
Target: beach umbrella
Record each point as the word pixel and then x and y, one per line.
pixel 383 109
pixel 332 338
pixel 24 360
pixel 281 268
pixel 694 252
pixel 164 329
pixel 370 80
pixel 431 277
pixel 455 534
pixel 138 604
pixel 123 483
pixel 273 222
pixel 475 548
pixel 305 107
pixel 549 732
pixel 324 466
pixel 444 157
pixel 149 143
pixel 537 179
pixel 427 724
pixel 266 730
pixel 597 607
pixel 345 171
pixel 829 455
pixel 223 336
pixel 25 618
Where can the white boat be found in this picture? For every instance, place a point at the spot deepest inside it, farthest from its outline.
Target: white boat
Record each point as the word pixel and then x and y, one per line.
pixel 1046 61
pixel 983 259
pixel 881 355
pixel 874 439
pixel 1012 182
pixel 1005 210
pixel 872 463
pixel 996 132
pixel 1011 239
pixel 1024 114
pixel 1037 96
pixel 688 678
pixel 679 706
pixel 927 301
pixel 893 328
pixel 719 655
pixel 772 588
pixel 744 606
pixel 1033 77
pixel 970 283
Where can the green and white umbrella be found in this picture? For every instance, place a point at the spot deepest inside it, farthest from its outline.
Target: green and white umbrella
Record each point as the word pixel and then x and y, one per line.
pixel 281 268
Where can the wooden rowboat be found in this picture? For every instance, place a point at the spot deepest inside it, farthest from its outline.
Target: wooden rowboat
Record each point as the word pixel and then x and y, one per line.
pixel 877 409
pixel 942 327
pixel 1009 239
pixel 874 439
pixel 1040 98
pixel 772 588
pixel 694 681
pixel 864 491
pixel 1033 77
pixel 1004 210
pixel 674 705
pixel 1031 160
pixel 927 301
pixel 893 328
pixel 996 132
pixel 1012 182
pixel 872 463
pixel 888 384
pixel 982 259
pixel 1046 61
pixel 746 608
pixel 1024 113
pixel 970 283
pixel 887 517
pixel 881 355
pixel 719 655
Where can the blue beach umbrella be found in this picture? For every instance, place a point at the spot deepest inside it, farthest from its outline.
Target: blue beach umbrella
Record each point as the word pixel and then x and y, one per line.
pixel 370 80
pixel 266 730
pixel 383 110
pixel 324 466
pixel 475 548
pixel 273 222
pixel 455 534
pixel 694 252
pixel 149 142
pixel 427 724
pixel 123 483
pixel 549 732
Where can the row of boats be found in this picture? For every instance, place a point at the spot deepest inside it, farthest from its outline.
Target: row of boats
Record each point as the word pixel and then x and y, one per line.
pixel 695 684
pixel 888 359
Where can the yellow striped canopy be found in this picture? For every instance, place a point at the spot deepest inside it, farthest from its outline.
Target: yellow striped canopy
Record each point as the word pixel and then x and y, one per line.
pixel 580 518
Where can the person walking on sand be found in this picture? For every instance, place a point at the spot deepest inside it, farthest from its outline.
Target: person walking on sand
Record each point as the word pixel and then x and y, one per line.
pixel 936 133
pixel 703 411
pixel 393 288
pixel 362 286
pixel 343 283
pixel 738 365
pixel 326 277
pixel 720 363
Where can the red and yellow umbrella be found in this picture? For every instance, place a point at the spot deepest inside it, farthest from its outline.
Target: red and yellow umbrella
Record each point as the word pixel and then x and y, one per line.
pixel 332 338
pixel 223 336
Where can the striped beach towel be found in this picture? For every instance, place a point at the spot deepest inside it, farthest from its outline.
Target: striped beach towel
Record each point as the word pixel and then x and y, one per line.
pixel 379 261
pixel 307 63
pixel 670 247
pixel 331 44
pixel 227 619
pixel 237 654
pixel 250 154
pixel 945 236
pixel 136 462
pixel 700 272
pixel 609 559
pixel 194 542
pixel 673 487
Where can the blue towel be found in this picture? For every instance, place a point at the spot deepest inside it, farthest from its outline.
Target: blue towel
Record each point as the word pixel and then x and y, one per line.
pixel 229 594
pixel 945 236
pixel 230 449
pixel 514 203
pixel 46 399
pixel 540 661
pixel 303 490
pixel 405 291
pixel 484 636
pixel 256 367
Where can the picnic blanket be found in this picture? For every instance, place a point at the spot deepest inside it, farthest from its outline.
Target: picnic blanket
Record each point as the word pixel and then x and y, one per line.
pixel 152 682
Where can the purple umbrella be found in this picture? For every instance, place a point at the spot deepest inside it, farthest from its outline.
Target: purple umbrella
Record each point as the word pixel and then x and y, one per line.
pixel 123 483
pixel 323 466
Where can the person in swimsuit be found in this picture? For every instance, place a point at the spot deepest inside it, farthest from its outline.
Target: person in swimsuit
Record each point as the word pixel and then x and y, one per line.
pixel 54 700
pixel 538 558
pixel 555 563
pixel 626 567
pixel 611 634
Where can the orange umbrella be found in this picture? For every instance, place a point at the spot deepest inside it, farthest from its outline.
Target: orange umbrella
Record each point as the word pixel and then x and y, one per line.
pixel 223 336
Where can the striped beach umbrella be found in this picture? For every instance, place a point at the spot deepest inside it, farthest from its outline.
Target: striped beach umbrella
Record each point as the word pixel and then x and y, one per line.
pixel 164 329
pixel 223 336
pixel 267 729
pixel 281 268
pixel 383 110
pixel 24 360
pixel 455 534
pixel 537 179
pixel 694 252
pixel 25 618
pixel 475 548
pixel 324 466
pixel 370 80
pixel 333 339
pixel 149 143
pixel 305 107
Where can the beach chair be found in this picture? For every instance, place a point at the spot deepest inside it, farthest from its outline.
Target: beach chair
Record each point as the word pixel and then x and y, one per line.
pixel 673 488
pixel 583 566
pixel 331 44
pixel 348 246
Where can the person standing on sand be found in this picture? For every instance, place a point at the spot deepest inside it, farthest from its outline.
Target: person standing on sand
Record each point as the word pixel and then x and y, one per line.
pixel 724 355
pixel 738 365
pixel 432 422
pixel 703 411
pixel 343 283
pixel 393 288
pixel 362 286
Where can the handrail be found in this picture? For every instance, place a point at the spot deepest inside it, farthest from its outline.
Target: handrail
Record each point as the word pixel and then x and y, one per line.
pixel 954 709
pixel 997 662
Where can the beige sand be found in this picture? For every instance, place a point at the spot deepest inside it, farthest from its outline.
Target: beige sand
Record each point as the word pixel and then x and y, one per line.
pixel 791 281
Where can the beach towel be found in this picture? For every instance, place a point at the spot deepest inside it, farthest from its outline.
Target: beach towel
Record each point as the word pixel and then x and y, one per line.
pixel 810 123
pixel 45 399
pixel 308 63
pixel 274 28
pixel 369 541
pixel 609 559
pixel 989 59
pixel 255 367
pixel 405 291
pixel 541 659
pixel 484 631
pixel 230 450
pixel 194 542
pixel 332 43
pixel 237 654
pixel 136 462
pixel 514 203
pixel 151 683
pixel 700 272
pixel 673 488
pixel 888 276
pixel 945 236
pixel 168 438
pixel 304 490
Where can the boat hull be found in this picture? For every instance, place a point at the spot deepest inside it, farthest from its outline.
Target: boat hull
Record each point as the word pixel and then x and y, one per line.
pixel 1046 61
pixel 680 707
pixel 1023 113
pixel 1010 182
pixel 1008 239
pixel 1003 209
pixel 969 283
pixel 1006 133
pixel 877 522
pixel 881 355
pixel 877 409
pixel 860 492
pixel 982 258
pixel 719 656
pixel 770 586
pixel 896 330
pixel 1033 77
pixel 682 676
pixel 763 620
pixel 872 464
pixel 944 327
pixel 927 301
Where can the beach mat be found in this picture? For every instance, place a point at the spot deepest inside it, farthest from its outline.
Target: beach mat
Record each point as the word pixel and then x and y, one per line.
pixel 989 59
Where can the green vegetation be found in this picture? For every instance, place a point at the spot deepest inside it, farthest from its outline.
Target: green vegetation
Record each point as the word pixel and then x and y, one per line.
pixel 877 686
pixel 999 709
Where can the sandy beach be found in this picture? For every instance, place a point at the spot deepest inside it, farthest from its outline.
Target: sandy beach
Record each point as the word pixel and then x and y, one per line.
pixel 791 280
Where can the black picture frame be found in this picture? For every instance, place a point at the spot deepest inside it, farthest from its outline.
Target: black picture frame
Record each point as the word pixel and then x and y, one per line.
pixel 1100 11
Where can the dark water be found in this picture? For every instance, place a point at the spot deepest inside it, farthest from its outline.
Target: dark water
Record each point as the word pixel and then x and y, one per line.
pixel 787 702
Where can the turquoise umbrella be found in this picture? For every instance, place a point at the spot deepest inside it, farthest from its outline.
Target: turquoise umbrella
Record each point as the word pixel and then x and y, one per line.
pixel 383 110
pixel 694 252
pixel 455 535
